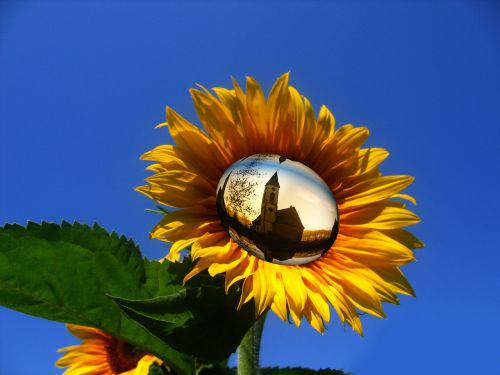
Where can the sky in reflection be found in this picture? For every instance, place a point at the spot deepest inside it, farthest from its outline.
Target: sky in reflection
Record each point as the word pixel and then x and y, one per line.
pixel 300 187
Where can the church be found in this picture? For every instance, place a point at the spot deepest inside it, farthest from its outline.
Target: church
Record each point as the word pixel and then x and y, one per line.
pixel 284 223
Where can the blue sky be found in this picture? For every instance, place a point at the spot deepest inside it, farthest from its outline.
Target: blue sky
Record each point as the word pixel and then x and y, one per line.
pixel 82 86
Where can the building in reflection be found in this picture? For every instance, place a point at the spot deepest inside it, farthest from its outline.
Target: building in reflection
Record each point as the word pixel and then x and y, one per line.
pixel 284 223
pixel 276 235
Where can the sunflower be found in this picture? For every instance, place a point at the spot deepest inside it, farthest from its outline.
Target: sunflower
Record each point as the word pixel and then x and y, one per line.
pixel 360 270
pixel 102 354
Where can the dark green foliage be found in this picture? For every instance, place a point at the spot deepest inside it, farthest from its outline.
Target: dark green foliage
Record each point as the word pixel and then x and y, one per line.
pixel 191 318
pixel 221 370
pixel 64 272
pixel 67 273
pixel 218 370
pixel 76 274
pixel 156 369
pixel 299 371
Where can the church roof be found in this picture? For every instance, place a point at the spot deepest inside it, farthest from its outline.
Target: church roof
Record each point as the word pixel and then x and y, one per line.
pixel 274 180
pixel 290 217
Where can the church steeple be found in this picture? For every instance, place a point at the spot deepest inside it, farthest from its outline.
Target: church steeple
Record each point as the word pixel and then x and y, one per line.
pixel 269 204
pixel 273 181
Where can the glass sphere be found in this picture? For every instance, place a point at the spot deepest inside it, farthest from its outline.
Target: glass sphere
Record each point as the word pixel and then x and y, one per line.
pixel 277 209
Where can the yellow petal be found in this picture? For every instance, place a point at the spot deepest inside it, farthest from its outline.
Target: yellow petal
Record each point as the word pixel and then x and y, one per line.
pixel 362 162
pixel 349 138
pixel 278 102
pixel 385 290
pixel 174 254
pixel 178 189
pixel 257 107
pixel 357 289
pixel 378 217
pixel 372 246
pixel 309 131
pixel 314 318
pixel 405 197
pixel 170 157
pixel 165 155
pixel 247 292
pixel 251 130
pixel 200 266
pixel 188 222
pixel 395 278
pixel 335 150
pixel 371 191
pixel 190 138
pixel 295 291
pixel 279 302
pixel 264 286
pixel 85 333
pixel 211 244
pixel 243 270
pixel 317 301
pixel 404 237
pixel 234 258
pixel 326 124
pixel 217 120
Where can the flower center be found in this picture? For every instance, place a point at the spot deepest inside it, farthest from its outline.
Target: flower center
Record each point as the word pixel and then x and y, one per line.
pixel 122 356
pixel 277 209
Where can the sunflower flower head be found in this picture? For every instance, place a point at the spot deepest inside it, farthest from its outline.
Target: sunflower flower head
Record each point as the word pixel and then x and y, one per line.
pixel 359 271
pixel 102 354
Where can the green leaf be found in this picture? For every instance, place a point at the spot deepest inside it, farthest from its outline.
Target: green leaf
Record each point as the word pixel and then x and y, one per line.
pixel 202 321
pixel 64 273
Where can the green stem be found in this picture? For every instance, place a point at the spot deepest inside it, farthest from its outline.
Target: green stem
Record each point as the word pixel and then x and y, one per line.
pixel 249 349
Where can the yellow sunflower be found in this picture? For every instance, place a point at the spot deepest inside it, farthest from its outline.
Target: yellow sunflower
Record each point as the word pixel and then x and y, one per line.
pixel 102 354
pixel 362 267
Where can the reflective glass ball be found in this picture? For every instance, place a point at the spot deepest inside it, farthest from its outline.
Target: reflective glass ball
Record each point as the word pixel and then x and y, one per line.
pixel 277 209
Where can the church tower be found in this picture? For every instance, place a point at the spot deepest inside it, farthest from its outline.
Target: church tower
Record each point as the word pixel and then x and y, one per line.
pixel 269 205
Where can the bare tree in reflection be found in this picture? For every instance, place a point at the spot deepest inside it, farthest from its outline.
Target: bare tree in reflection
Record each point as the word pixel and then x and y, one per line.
pixel 241 191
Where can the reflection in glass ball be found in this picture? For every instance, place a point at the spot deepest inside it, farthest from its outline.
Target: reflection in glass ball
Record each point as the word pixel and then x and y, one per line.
pixel 277 209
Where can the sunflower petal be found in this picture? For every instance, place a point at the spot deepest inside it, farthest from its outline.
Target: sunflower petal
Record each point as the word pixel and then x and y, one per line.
pixel 193 221
pixel 372 190
pixel 278 102
pixel 279 302
pixel 379 217
pixel 372 246
pixel 191 139
pixel 326 124
pixel 217 120
pixel 247 292
pixel 264 286
pixel 211 244
pixel 243 270
pixel 257 107
pixel 295 291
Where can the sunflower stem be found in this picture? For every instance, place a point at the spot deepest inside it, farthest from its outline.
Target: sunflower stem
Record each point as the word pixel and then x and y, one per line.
pixel 249 349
